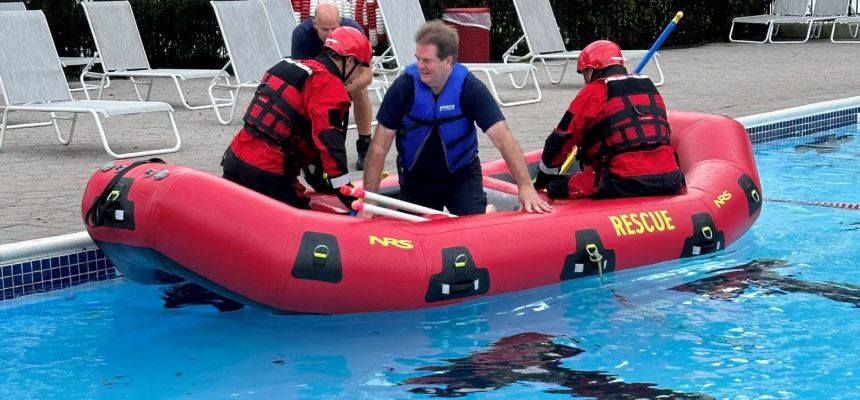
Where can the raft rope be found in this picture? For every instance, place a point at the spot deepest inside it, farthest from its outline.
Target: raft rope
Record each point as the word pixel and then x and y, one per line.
pixel 850 206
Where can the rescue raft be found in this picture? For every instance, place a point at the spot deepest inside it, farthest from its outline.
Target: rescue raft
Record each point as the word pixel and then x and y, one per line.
pixel 163 223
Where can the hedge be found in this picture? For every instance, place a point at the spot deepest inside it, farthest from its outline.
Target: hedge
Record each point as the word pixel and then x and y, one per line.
pixel 184 33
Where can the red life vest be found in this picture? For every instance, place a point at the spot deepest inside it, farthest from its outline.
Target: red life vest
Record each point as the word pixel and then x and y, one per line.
pixel 629 147
pixel 277 113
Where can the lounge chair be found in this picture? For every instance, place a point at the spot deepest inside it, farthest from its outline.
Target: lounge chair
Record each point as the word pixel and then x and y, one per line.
pixel 282 19
pixel 251 54
pixel 779 9
pixel 544 41
pixel 853 23
pixel 823 11
pixel 403 18
pixel 121 50
pixel 86 62
pixel 33 80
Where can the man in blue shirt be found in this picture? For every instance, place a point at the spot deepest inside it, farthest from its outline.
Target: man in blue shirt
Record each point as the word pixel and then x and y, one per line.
pixel 431 110
pixel 308 40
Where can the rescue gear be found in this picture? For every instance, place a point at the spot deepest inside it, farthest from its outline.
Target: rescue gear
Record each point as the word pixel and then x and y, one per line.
pixel 598 55
pixel 347 41
pixel 458 133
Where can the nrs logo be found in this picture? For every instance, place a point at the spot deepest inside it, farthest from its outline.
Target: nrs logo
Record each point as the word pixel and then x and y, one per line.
pixel 387 241
pixel 723 198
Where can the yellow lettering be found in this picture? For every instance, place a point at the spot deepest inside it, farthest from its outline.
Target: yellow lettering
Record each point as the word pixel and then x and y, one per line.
pixel 616 223
pixel 648 227
pixel 388 241
pixel 722 198
pixel 658 222
pixel 628 227
pixel 635 219
pixel 642 222
pixel 668 220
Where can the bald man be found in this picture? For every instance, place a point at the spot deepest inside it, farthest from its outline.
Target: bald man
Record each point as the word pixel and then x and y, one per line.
pixel 308 39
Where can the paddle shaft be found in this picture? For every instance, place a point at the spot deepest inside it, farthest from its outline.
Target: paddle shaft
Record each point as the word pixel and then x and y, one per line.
pixel 381 199
pixel 386 212
pixel 658 42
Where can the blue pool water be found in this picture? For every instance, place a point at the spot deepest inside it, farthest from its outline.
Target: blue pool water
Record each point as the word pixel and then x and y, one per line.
pixel 773 317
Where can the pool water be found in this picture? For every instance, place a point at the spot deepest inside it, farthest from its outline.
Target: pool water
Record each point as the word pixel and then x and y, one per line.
pixel 773 317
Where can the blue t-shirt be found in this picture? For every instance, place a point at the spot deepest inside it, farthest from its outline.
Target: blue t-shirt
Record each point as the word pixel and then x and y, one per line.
pixel 475 100
pixel 306 42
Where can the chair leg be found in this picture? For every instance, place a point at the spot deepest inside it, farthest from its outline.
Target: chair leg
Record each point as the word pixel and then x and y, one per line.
pixel 3 127
pixel 498 99
pixel 74 119
pixel 555 81
pixel 234 99
pixel 202 106
pixel 137 153
pixel 525 77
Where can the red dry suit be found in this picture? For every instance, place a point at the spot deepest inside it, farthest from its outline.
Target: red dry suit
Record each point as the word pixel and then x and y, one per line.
pixel 619 123
pixel 297 118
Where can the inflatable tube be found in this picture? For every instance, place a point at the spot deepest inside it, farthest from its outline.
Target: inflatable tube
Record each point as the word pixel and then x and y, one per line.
pixel 165 223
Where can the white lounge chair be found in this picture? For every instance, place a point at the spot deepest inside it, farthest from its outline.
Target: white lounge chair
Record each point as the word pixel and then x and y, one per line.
pixel 403 18
pixel 823 11
pixel 779 9
pixel 33 80
pixel 282 19
pixel 251 54
pixel 122 54
pixel 544 41
pixel 853 29
pixel 86 62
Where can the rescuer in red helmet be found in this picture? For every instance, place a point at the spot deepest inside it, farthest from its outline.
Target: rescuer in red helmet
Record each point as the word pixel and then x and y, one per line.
pixel 618 121
pixel 297 123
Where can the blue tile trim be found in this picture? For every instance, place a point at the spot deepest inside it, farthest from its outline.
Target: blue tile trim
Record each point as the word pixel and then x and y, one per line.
pixel 56 272
pixel 803 126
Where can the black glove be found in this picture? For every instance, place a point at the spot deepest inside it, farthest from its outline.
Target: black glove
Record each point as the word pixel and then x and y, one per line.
pixel 346 199
pixel 542 180
pixel 315 176
pixel 558 187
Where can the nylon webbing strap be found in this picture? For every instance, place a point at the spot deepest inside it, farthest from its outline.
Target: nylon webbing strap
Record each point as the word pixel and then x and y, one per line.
pixel 95 215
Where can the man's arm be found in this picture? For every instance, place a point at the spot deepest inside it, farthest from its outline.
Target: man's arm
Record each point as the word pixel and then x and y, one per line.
pixel 379 147
pixel 503 139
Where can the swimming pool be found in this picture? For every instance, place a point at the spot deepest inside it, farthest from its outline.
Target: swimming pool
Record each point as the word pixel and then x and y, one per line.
pixel 771 317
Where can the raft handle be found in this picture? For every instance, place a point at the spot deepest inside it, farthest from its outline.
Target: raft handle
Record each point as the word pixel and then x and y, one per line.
pixel 320 255
pixel 595 257
pixel 755 196
pixel 707 232
pixel 461 287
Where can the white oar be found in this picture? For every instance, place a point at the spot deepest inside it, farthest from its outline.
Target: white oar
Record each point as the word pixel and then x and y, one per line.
pixel 386 212
pixel 403 205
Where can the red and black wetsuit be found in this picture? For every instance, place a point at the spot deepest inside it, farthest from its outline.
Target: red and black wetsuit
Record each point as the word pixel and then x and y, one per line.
pixel 619 123
pixel 297 120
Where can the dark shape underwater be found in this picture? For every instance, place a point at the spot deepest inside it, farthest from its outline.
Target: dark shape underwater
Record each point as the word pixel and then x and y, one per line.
pixel 532 357
pixel 193 294
pixel 829 143
pixel 729 283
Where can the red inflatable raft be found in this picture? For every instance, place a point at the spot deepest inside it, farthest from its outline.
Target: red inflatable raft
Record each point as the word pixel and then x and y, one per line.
pixel 163 223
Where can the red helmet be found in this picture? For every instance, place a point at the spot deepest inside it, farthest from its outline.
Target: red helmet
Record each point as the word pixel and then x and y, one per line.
pixel 347 41
pixel 599 55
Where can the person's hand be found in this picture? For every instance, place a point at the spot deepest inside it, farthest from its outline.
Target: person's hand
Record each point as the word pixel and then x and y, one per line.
pixel 542 180
pixel 530 201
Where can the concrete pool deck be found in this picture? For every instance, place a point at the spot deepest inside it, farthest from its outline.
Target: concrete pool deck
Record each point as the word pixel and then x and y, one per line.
pixel 41 181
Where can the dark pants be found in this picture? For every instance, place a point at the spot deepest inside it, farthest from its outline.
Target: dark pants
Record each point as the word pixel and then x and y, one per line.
pixel 278 187
pixel 462 192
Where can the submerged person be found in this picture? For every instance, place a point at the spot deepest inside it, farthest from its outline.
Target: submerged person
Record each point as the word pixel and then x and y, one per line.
pixel 431 110
pixel 618 121
pixel 307 43
pixel 297 122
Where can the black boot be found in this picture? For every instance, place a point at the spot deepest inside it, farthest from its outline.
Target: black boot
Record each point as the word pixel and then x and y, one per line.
pixel 361 145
